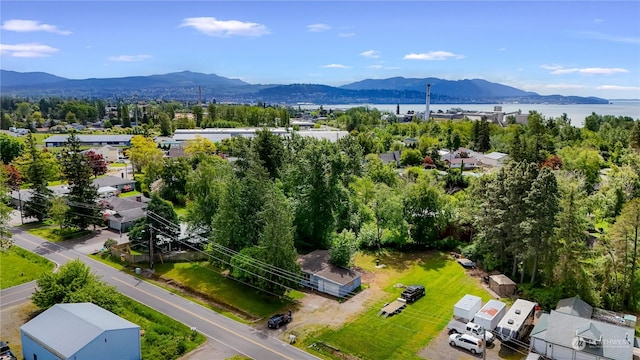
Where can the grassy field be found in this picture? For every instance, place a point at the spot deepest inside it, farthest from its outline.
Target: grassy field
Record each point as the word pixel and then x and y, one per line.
pixel 19 266
pixel 206 279
pixel 402 336
pixel 53 233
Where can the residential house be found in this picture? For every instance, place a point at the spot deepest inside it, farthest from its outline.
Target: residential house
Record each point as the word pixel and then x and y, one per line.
pixel 122 184
pixel 494 159
pixel 577 330
pixel 323 276
pixel 564 336
pixel 410 142
pixel 80 331
pixel 122 212
pixel 90 140
pixel 462 163
pixel 391 158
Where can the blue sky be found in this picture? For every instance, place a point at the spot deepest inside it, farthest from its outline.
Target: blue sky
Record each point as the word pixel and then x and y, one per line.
pixel 585 48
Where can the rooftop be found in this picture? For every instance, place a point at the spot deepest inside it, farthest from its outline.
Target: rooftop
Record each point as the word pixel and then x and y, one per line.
pixel 67 328
pixel 317 263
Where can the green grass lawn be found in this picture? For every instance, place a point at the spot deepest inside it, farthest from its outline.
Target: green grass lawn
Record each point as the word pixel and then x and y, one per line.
pixel 117 165
pixel 180 210
pixel 129 194
pixel 53 233
pixel 402 336
pixel 18 266
pixel 206 279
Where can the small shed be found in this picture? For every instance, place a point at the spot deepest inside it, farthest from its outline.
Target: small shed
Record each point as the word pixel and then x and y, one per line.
pixel 502 285
pixel 80 331
pixel 325 277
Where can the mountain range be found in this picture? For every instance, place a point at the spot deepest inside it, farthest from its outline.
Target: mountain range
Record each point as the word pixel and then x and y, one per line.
pixel 189 86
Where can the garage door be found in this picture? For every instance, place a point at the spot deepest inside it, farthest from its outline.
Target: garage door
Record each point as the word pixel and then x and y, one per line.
pixel 584 356
pixel 561 353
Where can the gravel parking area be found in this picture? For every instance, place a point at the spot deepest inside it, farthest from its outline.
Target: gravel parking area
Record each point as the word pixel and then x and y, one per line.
pixel 440 349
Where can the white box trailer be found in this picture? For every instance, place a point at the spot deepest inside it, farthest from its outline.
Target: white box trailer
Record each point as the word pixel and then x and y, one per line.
pixel 467 307
pixel 490 315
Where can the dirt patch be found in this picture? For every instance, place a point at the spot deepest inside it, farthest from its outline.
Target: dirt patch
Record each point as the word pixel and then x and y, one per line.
pixel 12 318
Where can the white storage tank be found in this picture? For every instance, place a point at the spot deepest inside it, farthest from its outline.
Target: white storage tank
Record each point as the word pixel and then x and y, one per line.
pixel 490 315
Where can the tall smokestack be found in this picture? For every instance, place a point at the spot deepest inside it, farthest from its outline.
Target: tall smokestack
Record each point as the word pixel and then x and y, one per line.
pixel 426 111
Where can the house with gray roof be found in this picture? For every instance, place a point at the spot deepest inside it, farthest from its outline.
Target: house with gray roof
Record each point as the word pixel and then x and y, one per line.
pixel 90 140
pixel 80 331
pixel 323 276
pixel 561 335
pixel 117 182
pixel 122 212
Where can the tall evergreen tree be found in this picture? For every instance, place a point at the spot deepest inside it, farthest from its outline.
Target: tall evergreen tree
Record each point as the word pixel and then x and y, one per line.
pixel 634 136
pixel 83 210
pixel 124 113
pixel 542 205
pixel 40 202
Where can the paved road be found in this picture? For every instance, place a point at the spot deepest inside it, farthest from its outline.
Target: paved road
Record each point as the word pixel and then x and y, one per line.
pixel 238 337
pixel 17 294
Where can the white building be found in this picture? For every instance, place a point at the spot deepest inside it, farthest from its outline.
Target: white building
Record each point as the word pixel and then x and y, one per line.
pixel 494 159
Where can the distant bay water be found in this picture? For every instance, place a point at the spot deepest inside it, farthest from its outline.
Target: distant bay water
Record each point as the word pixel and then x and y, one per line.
pixel 576 112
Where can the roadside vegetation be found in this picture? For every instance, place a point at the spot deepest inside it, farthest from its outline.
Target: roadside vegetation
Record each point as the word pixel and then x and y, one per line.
pixel 20 266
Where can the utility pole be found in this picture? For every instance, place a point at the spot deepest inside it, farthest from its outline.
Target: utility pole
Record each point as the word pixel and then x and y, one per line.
pixel 484 343
pixel 21 206
pixel 150 247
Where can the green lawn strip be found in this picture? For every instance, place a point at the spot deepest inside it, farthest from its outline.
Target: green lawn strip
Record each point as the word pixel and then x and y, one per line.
pixel 402 336
pixel 164 338
pixel 206 279
pixel 130 194
pixel 53 233
pixel 18 266
pixel 117 165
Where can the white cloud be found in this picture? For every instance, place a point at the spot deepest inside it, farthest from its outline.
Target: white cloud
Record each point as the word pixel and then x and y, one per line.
pixel 31 26
pixel 590 71
pixel 335 66
pixel 225 28
pixel 551 67
pixel 375 66
pixel 432 55
pixel 129 58
pixel 617 87
pixel 502 49
pixel 346 34
pixel 30 50
pixel 372 54
pixel 598 21
pixel 608 37
pixel 378 66
pixel 318 27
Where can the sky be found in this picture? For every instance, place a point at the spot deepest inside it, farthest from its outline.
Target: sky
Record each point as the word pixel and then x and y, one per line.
pixel 583 48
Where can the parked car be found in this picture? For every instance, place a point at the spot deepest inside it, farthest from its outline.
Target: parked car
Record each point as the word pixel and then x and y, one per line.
pixel 279 319
pixel 413 293
pixel 467 342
